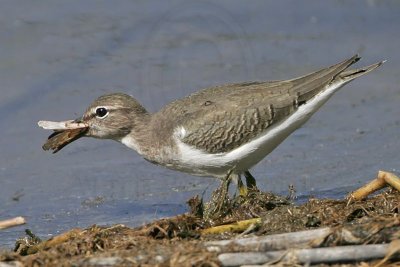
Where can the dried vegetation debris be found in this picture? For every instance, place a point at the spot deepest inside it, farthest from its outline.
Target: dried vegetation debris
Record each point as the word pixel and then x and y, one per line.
pixel 119 244
pixel 178 241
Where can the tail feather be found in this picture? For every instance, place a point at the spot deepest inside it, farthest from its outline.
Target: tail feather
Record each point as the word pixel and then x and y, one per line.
pixel 323 76
pixel 309 85
pixel 349 75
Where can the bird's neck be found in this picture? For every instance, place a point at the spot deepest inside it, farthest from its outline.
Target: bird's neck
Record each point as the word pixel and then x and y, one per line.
pixel 137 138
pixel 151 138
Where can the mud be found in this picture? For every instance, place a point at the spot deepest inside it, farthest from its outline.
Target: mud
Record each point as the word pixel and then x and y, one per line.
pixel 178 241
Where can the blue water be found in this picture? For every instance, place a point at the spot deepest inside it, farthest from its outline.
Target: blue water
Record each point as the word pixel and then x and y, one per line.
pixel 55 58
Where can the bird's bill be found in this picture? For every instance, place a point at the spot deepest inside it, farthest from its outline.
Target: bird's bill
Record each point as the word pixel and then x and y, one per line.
pixel 62 125
pixel 65 132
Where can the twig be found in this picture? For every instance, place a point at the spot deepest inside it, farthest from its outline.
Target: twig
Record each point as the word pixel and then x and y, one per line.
pixel 382 180
pixel 394 248
pixel 12 222
pixel 308 256
pixel 272 242
pixel 239 226
pixel 33 244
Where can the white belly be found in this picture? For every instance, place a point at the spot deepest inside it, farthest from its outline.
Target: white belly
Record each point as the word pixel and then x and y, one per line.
pixel 201 163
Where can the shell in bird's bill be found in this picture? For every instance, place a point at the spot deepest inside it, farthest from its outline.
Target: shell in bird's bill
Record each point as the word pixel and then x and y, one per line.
pixel 60 139
pixel 62 125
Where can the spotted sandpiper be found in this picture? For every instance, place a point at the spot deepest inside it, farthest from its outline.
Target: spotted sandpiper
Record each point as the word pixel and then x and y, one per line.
pixel 219 131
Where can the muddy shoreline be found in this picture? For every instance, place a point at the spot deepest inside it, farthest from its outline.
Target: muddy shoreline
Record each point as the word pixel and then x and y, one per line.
pixel 182 241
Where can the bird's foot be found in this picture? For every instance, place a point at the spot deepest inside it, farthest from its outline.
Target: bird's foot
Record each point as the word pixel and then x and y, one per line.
pixel 243 190
pixel 251 185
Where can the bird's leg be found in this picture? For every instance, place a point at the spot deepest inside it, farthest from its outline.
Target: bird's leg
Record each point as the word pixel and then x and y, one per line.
pixel 224 190
pixel 250 181
pixel 219 204
pixel 241 187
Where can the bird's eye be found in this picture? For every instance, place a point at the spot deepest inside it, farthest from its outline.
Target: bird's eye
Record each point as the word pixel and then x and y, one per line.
pixel 101 112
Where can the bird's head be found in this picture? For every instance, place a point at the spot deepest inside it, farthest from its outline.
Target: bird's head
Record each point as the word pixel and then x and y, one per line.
pixel 111 116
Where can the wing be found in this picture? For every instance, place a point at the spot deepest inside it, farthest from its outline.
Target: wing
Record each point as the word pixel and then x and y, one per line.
pixel 221 118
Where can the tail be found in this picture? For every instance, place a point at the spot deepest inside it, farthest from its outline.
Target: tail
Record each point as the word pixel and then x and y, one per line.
pixel 349 75
pixel 308 86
